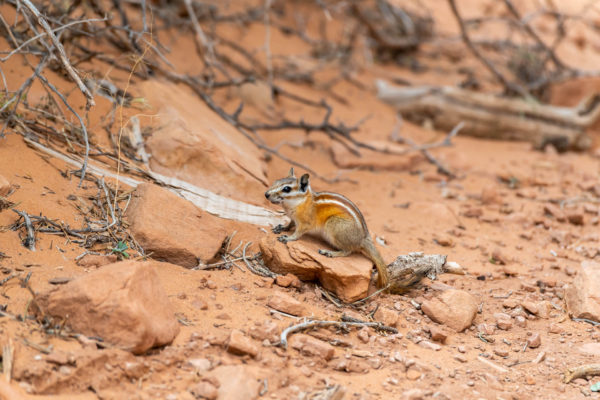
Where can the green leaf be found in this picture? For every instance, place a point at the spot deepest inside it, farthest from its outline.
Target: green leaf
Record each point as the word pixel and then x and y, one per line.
pixel 121 249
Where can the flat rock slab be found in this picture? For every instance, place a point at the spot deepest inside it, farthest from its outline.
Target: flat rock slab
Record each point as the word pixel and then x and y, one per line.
pixel 313 347
pixel 285 303
pixel 193 143
pixel 122 303
pixel 347 277
pixel 173 229
pixel 583 295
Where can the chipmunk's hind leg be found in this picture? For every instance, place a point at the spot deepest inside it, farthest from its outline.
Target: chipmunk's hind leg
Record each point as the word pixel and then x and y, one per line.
pixel 345 237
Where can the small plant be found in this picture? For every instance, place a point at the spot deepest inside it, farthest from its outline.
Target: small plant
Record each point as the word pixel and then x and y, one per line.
pixel 121 249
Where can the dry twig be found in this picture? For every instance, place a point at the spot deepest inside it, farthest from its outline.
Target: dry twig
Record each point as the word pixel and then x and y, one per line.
pixel 61 52
pixel 424 149
pixel 340 324
pixel 510 86
pixel 29 241
pixel 581 371
pixel 491 364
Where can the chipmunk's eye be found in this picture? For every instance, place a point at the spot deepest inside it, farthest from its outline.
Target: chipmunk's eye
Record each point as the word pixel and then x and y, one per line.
pixel 286 189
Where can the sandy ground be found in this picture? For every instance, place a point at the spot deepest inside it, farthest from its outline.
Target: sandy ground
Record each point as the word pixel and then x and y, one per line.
pixel 480 215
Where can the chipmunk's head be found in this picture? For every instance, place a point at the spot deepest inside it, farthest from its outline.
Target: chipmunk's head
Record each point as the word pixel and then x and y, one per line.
pixel 288 190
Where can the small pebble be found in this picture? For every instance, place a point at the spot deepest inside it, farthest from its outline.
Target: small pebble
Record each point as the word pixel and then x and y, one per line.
pixel 501 352
pixel 534 341
pixel 460 358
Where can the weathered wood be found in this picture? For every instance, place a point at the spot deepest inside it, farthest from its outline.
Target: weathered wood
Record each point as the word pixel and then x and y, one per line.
pixel 494 117
pixel 409 269
pixel 206 200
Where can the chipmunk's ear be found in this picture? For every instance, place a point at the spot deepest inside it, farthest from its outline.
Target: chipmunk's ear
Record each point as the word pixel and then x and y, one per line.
pixel 291 174
pixel 304 182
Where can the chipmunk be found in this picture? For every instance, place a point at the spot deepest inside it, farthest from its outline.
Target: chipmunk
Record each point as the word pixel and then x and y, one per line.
pixel 329 215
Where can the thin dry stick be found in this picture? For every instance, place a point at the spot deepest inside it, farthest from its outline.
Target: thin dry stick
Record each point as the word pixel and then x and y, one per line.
pixel 513 10
pixel 257 270
pixel 30 241
pixel 81 123
pixel 491 364
pixel 108 201
pixel 144 22
pixel 61 52
pixel 589 321
pixel 40 35
pixel 41 349
pixel 330 297
pixel 8 278
pixel 5 84
pixel 25 86
pixel 511 86
pixel 217 264
pixel 383 289
pixel 204 45
pixel 268 54
pixel 193 84
pixel 313 323
pixel 581 371
pixel 8 353
pixel 424 148
pixel 138 60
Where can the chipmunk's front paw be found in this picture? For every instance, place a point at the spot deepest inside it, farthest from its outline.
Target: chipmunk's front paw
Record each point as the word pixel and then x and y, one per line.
pixel 325 253
pixel 278 229
pixel 283 239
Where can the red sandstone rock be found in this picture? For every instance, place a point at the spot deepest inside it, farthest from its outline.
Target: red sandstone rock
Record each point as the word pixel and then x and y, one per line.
pixel 172 228
pixel 386 316
pixel 267 330
pixel 241 345
pixel 583 295
pixel 123 303
pixel 454 308
pixel 311 346
pixel 288 280
pixel 348 277
pixel 195 144
pixel 284 302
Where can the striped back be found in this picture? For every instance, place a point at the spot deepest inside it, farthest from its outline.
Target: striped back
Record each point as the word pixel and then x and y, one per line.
pixel 343 202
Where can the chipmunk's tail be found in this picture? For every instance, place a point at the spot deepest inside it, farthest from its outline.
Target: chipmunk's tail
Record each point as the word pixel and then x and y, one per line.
pixel 371 251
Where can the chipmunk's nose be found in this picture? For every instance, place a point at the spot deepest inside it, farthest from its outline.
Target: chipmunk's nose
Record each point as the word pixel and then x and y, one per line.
pixel 267 195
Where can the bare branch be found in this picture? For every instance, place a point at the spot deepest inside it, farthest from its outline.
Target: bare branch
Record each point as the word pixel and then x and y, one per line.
pixel 340 324
pixel 510 86
pixel 533 34
pixel 81 123
pixel 61 52
pixel 29 241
